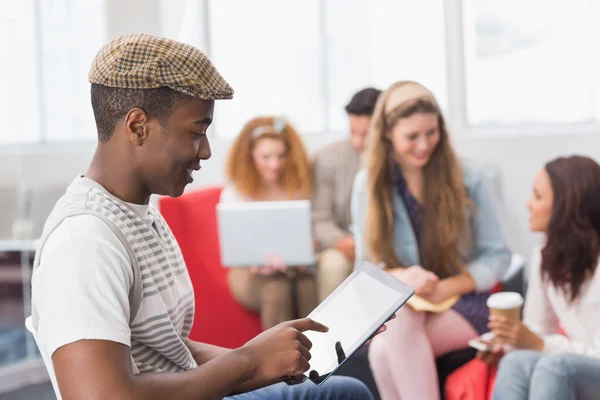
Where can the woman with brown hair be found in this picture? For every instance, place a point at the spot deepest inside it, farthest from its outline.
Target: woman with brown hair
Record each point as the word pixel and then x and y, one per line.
pixel 268 162
pixel 426 218
pixel 563 292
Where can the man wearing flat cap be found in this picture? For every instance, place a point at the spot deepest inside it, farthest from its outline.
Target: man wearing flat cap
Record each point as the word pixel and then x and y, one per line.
pixel 112 301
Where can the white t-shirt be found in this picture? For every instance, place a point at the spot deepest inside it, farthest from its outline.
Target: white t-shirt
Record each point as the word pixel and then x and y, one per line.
pixel 230 194
pixel 81 286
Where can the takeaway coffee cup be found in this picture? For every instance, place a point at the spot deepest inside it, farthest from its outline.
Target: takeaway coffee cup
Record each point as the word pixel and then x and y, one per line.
pixel 507 304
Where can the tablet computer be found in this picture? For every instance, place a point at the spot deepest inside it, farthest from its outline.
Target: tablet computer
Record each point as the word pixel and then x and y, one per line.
pixel 353 312
pixel 251 232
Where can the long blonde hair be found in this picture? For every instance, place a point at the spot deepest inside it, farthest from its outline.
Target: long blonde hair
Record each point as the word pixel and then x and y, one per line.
pixel 240 168
pixel 445 226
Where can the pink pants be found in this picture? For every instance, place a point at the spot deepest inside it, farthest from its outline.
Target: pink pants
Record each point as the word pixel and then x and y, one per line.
pixel 403 357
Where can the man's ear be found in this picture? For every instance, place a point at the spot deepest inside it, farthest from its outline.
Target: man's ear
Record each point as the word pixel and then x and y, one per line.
pixel 136 124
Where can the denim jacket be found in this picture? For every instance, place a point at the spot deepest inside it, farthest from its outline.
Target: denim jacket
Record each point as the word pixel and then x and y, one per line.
pixel 489 259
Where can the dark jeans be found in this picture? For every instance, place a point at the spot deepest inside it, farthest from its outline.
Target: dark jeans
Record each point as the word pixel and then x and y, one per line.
pixel 335 388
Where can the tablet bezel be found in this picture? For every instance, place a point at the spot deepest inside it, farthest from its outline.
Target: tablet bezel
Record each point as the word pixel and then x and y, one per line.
pixel 405 291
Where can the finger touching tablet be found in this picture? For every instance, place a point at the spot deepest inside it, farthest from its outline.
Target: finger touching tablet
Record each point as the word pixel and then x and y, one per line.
pixel 353 312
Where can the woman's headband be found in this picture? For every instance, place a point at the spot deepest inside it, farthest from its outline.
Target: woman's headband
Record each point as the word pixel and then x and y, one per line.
pixel 404 92
pixel 277 127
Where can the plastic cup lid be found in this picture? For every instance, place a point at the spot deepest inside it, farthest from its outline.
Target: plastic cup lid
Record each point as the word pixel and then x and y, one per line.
pixel 505 300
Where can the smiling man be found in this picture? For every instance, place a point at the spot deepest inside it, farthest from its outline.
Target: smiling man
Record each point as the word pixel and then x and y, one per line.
pixel 112 302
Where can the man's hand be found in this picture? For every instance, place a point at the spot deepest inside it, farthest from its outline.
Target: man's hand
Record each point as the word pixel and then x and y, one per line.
pixel 282 350
pixel 424 282
pixel 346 246
pixel 515 333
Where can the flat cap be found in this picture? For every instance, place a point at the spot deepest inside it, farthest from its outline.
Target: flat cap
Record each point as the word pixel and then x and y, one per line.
pixel 142 61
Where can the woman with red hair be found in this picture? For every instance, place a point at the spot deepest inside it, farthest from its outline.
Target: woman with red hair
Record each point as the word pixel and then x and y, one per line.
pixel 268 162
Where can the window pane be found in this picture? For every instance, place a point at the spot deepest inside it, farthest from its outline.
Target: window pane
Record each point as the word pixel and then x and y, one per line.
pixel 72 31
pixel 530 62
pixel 349 66
pixel 595 52
pixel 380 42
pixel 183 20
pixel 269 51
pixel 19 106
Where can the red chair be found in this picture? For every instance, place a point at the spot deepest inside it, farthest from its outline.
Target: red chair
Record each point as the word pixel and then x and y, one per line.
pixel 473 381
pixel 218 319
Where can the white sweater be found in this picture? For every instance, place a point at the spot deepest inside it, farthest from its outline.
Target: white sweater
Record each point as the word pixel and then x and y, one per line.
pixel 547 309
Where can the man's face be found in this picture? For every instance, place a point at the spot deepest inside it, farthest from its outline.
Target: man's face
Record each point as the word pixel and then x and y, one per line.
pixel 359 127
pixel 173 151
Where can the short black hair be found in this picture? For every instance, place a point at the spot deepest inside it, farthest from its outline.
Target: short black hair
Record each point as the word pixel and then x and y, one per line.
pixel 363 102
pixel 111 104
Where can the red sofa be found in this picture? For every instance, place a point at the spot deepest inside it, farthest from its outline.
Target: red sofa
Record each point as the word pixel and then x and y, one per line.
pixel 219 319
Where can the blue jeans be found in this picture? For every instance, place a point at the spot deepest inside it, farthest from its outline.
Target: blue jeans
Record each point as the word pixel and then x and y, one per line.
pixel 335 388
pixel 531 375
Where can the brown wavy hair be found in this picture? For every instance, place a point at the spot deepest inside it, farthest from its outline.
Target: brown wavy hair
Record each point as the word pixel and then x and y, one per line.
pixel 241 169
pixel 572 248
pixel 446 202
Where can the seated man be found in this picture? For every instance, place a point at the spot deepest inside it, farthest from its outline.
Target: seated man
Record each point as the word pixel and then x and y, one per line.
pixel 334 169
pixel 112 302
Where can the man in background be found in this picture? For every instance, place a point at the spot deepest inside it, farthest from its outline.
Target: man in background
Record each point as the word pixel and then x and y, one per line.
pixel 334 169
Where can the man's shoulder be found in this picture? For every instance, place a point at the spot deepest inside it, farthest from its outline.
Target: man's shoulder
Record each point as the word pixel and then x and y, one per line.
pixel 335 154
pixel 81 233
pixel 73 220
pixel 75 200
pixel 343 145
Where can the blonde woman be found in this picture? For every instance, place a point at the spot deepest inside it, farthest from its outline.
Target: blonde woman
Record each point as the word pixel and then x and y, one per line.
pixel 268 162
pixel 430 224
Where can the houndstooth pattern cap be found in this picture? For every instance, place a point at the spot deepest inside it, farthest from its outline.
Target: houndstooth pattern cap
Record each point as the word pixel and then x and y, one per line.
pixel 142 61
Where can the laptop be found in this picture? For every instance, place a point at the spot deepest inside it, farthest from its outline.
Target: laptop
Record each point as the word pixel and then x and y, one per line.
pixel 252 232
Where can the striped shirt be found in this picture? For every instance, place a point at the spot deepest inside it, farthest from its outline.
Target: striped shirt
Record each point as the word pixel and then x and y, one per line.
pixel 110 270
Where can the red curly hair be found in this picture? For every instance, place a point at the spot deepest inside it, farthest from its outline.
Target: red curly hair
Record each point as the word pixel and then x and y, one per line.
pixel 241 170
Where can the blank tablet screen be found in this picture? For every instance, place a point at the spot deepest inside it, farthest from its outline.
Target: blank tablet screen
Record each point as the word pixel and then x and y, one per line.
pixel 353 312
